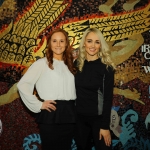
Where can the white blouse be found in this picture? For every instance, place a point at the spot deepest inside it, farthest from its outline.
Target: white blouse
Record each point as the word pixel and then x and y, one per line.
pixel 57 84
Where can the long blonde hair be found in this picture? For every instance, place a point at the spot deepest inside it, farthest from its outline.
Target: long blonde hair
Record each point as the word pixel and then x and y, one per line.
pixel 104 52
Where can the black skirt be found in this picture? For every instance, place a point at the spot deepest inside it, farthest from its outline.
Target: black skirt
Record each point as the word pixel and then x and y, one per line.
pixel 64 113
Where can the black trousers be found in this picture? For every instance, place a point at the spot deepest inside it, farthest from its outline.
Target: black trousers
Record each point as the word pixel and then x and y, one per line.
pixel 56 136
pixel 87 130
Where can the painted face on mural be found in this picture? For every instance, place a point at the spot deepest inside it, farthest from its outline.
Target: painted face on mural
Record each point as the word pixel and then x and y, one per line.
pixel 75 53
pixel 114 124
pixel 58 44
pixel 92 46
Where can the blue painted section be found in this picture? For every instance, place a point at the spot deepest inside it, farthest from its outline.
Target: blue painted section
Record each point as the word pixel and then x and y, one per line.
pixel 1 2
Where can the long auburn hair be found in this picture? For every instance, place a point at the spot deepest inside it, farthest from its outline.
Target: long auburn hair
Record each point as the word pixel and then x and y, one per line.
pixel 67 55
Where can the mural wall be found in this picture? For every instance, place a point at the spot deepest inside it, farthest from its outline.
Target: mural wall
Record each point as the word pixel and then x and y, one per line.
pixel 125 24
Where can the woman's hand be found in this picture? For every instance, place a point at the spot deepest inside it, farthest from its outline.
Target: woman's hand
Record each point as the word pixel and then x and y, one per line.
pixel 49 105
pixel 106 135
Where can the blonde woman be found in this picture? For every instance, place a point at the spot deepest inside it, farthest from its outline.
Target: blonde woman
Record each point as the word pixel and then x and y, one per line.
pixel 94 88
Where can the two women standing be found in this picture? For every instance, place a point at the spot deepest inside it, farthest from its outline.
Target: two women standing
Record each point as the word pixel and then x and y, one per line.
pixel 53 77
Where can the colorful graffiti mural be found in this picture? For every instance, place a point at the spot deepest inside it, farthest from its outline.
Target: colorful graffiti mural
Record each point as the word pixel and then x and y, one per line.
pixel 125 24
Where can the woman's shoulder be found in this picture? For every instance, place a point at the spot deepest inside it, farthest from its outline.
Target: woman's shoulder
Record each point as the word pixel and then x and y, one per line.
pixel 39 62
pixel 109 70
pixel 107 67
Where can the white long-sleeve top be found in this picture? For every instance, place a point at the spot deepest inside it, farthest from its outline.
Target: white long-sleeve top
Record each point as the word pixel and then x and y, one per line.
pixel 57 84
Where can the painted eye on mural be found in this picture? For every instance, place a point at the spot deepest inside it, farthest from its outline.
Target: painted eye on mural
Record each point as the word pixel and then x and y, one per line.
pixel 113 118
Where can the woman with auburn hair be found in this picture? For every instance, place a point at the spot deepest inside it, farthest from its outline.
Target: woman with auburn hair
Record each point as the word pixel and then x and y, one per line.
pixel 94 88
pixel 53 78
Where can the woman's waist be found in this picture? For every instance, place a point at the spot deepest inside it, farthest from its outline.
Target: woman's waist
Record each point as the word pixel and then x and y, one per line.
pixel 64 113
pixel 57 98
pixel 65 102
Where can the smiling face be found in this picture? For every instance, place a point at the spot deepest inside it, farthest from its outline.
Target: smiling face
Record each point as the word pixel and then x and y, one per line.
pixel 58 45
pixel 92 46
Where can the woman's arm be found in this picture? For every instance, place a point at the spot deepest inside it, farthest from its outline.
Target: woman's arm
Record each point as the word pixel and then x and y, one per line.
pixel 108 97
pixel 107 104
pixel 27 83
